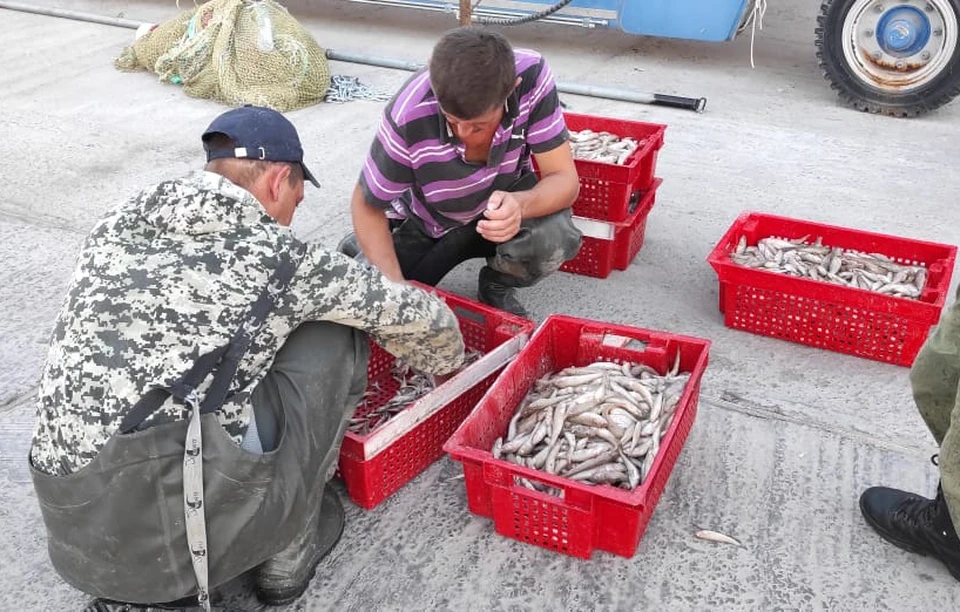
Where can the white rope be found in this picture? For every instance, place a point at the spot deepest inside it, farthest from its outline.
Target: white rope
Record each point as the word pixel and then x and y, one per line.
pixel 756 17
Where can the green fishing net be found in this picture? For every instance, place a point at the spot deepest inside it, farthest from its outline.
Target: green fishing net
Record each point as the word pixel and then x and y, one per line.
pixel 235 52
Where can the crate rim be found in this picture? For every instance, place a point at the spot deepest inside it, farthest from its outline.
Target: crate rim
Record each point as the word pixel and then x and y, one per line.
pixel 636 498
pixel 746 216
pixel 719 260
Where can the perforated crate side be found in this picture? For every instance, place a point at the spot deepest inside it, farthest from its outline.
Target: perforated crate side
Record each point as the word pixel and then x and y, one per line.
pixel 629 246
pixel 598 257
pixel 609 192
pixel 595 258
pixel 549 523
pixel 371 482
pixel 826 315
pixel 877 335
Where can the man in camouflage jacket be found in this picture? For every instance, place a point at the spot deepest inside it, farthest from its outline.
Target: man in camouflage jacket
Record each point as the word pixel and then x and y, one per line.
pixel 162 280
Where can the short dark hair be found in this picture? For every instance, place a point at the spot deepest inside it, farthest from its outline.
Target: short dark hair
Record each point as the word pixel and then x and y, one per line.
pixel 247 171
pixel 472 70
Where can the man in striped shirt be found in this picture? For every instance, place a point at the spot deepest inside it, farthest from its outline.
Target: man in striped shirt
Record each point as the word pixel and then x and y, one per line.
pixel 449 175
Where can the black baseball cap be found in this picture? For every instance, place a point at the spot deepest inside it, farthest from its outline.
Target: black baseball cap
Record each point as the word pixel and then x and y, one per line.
pixel 260 133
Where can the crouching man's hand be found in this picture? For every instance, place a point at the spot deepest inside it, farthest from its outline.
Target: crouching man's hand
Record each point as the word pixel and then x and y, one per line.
pixel 503 216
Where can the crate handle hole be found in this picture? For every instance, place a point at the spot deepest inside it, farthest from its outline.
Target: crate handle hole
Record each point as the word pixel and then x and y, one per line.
pixel 476 317
pixel 626 342
pixel 527 483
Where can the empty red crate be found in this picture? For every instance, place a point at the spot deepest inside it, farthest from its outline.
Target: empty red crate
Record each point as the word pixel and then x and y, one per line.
pixel 611 245
pixel 611 192
pixel 582 517
pixel 375 465
pixel 816 313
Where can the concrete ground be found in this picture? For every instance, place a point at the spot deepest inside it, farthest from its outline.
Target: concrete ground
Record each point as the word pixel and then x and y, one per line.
pixel 786 437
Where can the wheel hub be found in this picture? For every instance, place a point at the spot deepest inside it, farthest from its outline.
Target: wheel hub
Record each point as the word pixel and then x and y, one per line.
pixel 900 45
pixel 903 31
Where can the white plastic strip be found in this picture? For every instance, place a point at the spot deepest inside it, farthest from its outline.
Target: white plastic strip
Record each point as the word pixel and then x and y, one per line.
pixel 592 228
pixel 437 399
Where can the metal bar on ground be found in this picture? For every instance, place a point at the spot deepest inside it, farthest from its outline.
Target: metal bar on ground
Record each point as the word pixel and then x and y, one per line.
pixel 68 14
pixel 373 60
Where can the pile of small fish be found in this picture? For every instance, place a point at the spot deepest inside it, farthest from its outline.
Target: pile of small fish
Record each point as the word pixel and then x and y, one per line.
pixel 598 424
pixel 413 386
pixel 603 146
pixel 797 257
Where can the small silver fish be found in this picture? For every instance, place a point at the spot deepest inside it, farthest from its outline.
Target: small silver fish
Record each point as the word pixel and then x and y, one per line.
pixel 715 536
pixel 799 258
pixel 603 146
pixel 597 424
pixel 412 385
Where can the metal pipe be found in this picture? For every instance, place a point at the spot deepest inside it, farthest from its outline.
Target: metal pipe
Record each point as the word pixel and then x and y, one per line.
pixel 592 91
pixel 68 14
pixel 373 60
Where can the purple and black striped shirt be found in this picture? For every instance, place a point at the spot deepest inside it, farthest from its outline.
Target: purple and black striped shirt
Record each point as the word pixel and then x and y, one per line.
pixel 416 168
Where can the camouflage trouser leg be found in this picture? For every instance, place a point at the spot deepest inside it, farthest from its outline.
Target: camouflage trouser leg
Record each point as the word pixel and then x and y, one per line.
pixel 538 250
pixel 935 377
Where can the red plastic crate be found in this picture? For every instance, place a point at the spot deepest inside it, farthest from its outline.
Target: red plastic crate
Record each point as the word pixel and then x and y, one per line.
pixel 582 517
pixel 608 246
pixel 610 192
pixel 833 317
pixel 376 465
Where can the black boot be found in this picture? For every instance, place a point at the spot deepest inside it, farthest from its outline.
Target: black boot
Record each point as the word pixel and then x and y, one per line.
pixel 188 604
pixel 286 576
pixel 108 605
pixel 492 290
pixel 349 245
pixel 915 524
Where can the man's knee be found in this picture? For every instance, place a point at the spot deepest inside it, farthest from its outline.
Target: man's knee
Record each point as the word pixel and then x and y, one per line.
pixel 542 246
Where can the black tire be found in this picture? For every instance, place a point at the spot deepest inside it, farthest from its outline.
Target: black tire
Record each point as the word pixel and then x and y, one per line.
pixel 865 96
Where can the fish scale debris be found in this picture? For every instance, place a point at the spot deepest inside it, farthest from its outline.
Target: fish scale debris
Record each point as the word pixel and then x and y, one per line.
pixel 598 424
pixel 802 259
pixel 603 146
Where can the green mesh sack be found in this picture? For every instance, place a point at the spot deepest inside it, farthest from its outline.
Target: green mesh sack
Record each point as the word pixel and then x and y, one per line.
pixel 236 52
pixel 146 50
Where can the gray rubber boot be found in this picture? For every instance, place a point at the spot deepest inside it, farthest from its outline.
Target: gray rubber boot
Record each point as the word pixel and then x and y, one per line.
pixel 286 576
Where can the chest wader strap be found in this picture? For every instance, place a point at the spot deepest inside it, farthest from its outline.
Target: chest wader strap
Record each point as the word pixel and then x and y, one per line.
pixel 225 361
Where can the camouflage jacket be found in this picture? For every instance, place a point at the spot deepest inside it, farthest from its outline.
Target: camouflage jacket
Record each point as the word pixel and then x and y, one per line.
pixel 169 275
